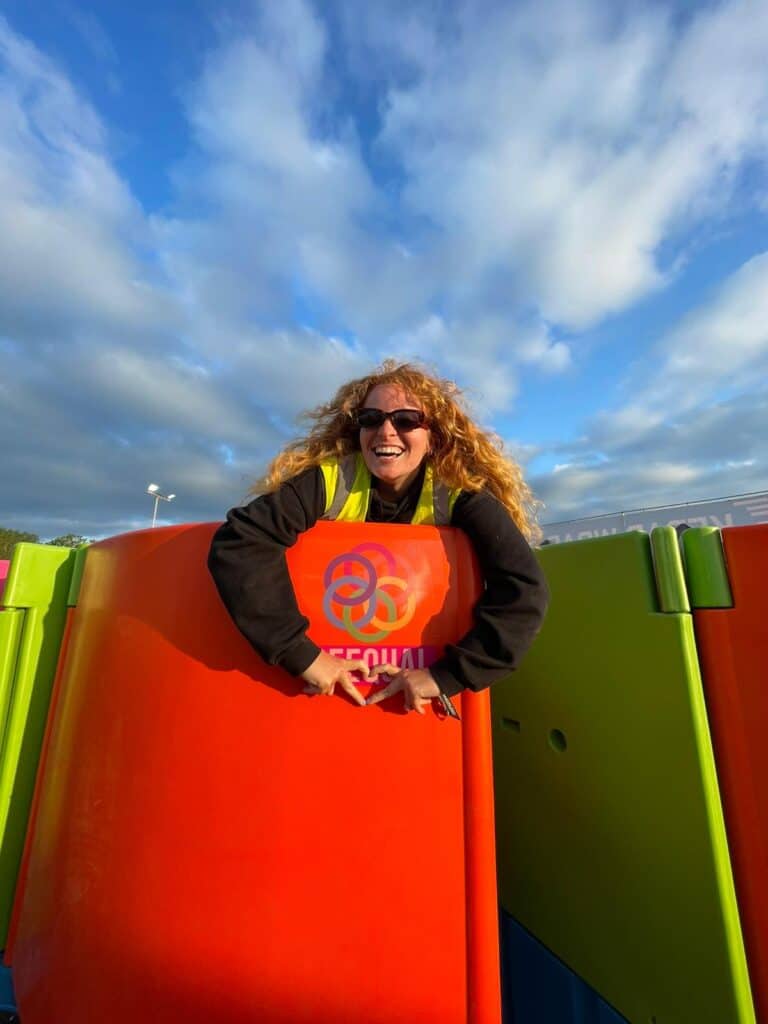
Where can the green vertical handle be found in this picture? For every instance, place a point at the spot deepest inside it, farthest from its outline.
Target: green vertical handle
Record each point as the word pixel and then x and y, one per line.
pixel 705 568
pixel 668 567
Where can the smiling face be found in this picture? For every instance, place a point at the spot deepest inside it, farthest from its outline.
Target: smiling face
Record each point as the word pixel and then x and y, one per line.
pixel 393 457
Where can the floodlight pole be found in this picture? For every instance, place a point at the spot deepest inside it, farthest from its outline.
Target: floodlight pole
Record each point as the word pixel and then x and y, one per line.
pixel 153 490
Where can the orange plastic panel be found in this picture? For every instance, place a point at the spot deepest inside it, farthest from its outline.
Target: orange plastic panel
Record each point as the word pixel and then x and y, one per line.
pixel 212 845
pixel 733 650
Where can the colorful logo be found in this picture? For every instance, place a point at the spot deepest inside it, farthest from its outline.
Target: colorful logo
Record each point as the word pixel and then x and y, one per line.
pixel 364 595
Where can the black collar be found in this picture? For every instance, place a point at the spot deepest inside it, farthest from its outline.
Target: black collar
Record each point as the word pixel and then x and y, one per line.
pixel 403 509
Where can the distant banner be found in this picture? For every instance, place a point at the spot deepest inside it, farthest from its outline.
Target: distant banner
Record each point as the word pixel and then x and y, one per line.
pixel 743 511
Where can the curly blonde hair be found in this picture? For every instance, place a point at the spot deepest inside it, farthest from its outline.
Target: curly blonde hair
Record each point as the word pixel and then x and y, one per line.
pixel 462 454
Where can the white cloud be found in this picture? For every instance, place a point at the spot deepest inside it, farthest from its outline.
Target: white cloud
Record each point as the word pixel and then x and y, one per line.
pixel 482 353
pixel 703 452
pixel 67 221
pixel 728 334
pixel 696 425
pixel 543 157
pixel 288 372
pixel 538 349
pixel 719 347
pixel 92 33
pixel 161 394
pixel 566 142
pixel 287 197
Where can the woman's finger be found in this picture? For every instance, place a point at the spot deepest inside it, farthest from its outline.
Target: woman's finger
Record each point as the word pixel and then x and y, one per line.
pixel 349 687
pixel 384 670
pixel 389 690
pixel 420 705
pixel 358 665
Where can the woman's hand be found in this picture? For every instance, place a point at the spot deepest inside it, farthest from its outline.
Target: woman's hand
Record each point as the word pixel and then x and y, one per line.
pixel 327 670
pixel 417 684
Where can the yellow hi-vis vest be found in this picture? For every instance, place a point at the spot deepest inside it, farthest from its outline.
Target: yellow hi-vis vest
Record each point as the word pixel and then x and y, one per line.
pixel 348 493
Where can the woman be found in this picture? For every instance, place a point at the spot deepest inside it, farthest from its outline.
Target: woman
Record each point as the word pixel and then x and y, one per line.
pixel 392 447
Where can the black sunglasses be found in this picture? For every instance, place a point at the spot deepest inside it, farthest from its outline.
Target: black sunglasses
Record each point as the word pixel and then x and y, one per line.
pixel 401 419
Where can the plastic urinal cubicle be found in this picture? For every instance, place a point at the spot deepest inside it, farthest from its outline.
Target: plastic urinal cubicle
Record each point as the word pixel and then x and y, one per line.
pixel 612 847
pixel 689 970
pixel 209 844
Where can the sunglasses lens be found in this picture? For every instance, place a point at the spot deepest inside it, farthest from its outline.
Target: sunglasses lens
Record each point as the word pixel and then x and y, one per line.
pixel 370 418
pixel 407 419
pixel 402 419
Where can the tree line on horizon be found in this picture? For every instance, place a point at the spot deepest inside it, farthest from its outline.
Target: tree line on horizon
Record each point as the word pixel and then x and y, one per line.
pixel 10 538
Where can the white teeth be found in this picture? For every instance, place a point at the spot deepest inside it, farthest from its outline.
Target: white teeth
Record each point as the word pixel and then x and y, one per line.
pixel 387 451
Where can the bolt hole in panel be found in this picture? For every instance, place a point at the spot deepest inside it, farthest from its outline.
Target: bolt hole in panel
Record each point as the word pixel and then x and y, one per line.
pixel 558 741
pixel 511 723
pixel 729 589
pixel 613 853
pixel 211 844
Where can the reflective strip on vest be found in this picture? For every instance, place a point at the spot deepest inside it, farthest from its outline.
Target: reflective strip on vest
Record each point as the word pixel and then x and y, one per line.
pixel 348 493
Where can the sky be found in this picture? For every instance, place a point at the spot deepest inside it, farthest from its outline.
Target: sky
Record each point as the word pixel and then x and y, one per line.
pixel 214 213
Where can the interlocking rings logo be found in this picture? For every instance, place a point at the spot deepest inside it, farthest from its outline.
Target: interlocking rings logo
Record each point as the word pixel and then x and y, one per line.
pixel 372 606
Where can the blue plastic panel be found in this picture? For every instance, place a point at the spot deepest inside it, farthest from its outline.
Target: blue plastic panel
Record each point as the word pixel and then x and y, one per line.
pixel 7 998
pixel 537 988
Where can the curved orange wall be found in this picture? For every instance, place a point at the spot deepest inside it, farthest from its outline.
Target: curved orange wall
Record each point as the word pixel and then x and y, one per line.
pixel 733 651
pixel 211 845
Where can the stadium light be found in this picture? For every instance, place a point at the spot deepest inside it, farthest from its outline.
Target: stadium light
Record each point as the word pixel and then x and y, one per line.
pixel 153 490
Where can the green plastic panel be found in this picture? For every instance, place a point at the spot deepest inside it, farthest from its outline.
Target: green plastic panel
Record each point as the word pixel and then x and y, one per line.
pixel 34 579
pixel 78 566
pixel 11 621
pixel 611 841
pixel 668 568
pixel 705 568
pixel 36 601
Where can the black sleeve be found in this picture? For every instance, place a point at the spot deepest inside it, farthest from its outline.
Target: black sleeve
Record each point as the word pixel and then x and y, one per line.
pixel 247 562
pixel 510 612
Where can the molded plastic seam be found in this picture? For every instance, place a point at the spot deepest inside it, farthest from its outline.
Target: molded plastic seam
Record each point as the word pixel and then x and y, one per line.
pixel 668 570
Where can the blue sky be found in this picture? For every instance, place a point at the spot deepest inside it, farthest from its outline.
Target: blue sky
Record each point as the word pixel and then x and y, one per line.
pixel 213 213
